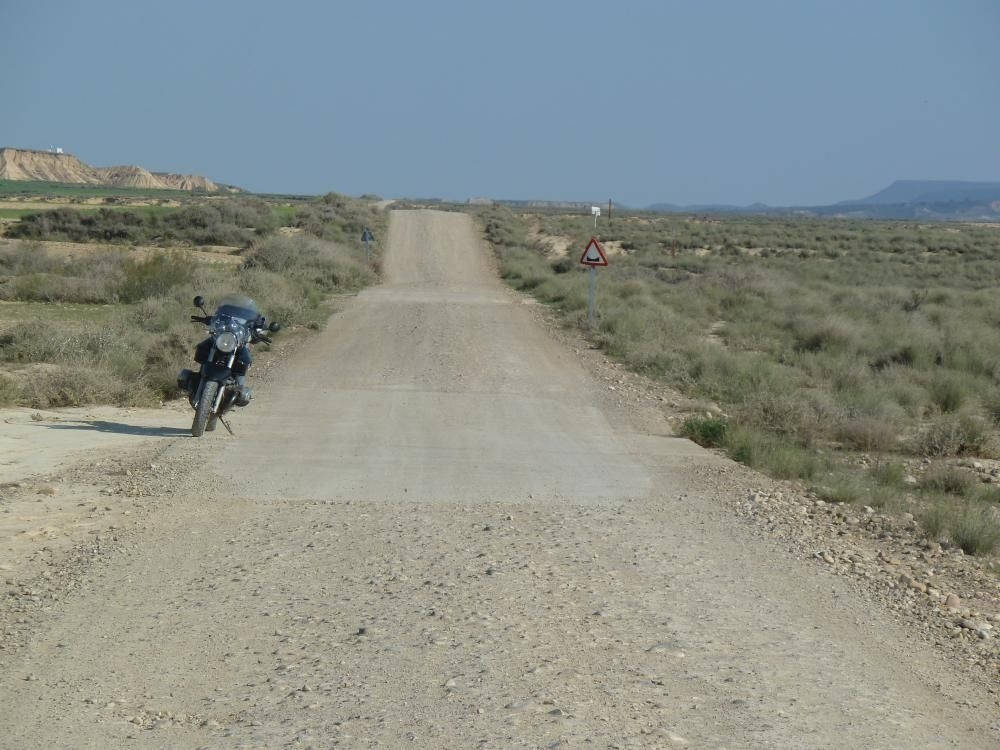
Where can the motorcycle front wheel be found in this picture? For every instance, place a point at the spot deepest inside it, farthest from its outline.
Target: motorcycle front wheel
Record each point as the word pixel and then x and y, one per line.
pixel 205 406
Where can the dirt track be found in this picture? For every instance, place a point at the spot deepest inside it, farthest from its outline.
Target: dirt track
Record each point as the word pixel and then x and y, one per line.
pixel 436 530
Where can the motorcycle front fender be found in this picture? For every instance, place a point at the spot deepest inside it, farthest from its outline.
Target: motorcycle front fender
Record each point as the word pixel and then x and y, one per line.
pixel 209 372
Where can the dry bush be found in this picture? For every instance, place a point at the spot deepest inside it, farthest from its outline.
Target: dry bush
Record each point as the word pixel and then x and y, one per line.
pixel 10 391
pixel 952 435
pixel 330 266
pixel 51 387
pixel 825 334
pixel 867 433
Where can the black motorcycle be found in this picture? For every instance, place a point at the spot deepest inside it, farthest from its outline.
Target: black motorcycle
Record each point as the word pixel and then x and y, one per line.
pixel 224 358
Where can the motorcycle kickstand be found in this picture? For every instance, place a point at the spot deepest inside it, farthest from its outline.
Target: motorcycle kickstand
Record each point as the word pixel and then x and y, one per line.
pixel 226 425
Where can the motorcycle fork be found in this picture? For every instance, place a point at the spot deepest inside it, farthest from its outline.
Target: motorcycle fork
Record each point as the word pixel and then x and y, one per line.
pixel 203 380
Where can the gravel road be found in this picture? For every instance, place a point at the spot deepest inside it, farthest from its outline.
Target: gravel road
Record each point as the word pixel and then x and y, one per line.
pixel 436 530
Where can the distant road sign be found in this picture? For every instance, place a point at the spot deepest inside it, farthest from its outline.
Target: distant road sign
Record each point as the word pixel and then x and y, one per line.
pixel 594 255
pixel 367 236
pixel 595 210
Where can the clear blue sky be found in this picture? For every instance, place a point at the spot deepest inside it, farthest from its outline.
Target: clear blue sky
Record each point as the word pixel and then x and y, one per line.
pixel 686 102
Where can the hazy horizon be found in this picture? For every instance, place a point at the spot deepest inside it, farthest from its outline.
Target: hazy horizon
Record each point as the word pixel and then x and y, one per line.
pixel 643 102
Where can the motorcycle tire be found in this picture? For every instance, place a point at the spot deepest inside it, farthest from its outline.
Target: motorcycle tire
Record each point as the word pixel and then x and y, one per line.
pixel 212 423
pixel 204 410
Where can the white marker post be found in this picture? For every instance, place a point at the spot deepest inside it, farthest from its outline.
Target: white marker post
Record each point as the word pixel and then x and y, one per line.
pixel 596 211
pixel 593 256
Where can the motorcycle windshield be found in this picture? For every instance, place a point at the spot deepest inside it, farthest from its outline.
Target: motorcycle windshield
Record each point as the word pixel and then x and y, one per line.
pixel 238 306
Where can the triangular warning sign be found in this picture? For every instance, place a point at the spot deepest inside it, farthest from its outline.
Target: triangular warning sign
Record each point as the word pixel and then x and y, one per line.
pixel 594 254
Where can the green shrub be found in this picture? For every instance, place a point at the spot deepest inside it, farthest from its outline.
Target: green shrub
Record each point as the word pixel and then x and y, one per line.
pixel 888 473
pixel 154 275
pixel 840 488
pixel 777 456
pixel 975 528
pixel 10 392
pixel 884 498
pixel 709 432
pixel 948 479
pixel 936 518
pixel 949 391
pixel 564 264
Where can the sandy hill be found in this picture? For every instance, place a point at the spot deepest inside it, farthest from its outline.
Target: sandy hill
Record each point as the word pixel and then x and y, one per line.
pixel 28 164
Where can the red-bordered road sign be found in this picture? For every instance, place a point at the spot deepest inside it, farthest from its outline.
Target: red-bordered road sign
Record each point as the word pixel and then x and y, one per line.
pixel 594 255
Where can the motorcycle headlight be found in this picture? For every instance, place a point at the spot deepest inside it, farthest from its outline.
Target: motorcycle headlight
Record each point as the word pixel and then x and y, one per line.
pixel 226 342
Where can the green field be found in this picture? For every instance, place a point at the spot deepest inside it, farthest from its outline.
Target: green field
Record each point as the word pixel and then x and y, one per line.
pixel 837 353
pixel 18 213
pixel 30 189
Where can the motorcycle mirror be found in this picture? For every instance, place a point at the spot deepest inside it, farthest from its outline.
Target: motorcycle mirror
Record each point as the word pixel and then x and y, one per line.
pixel 274 327
pixel 199 301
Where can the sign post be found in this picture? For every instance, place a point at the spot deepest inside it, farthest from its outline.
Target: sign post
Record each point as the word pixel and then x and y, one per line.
pixel 367 237
pixel 593 256
pixel 596 211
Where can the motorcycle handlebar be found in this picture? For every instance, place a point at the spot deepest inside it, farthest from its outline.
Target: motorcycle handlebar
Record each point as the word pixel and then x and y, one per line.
pixel 257 335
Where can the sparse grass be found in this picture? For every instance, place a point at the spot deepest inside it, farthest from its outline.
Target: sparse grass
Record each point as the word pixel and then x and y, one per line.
pixel 112 327
pixel 222 221
pixel 851 336
pixel 840 488
pixel 885 499
pixel 945 478
pixel 771 454
pixel 972 525
pixel 975 528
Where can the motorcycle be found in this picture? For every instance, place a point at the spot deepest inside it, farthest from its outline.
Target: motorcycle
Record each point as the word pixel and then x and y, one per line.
pixel 224 358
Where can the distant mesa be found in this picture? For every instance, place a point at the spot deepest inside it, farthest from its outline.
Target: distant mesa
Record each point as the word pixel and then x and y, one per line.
pixel 55 166
pixel 933 191
pixel 935 200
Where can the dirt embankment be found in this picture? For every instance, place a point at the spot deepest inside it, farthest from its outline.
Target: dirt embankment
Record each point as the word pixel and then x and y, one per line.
pixel 27 164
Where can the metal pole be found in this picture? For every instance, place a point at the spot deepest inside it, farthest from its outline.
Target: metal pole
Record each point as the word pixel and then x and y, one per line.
pixel 609 213
pixel 591 302
pixel 368 254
